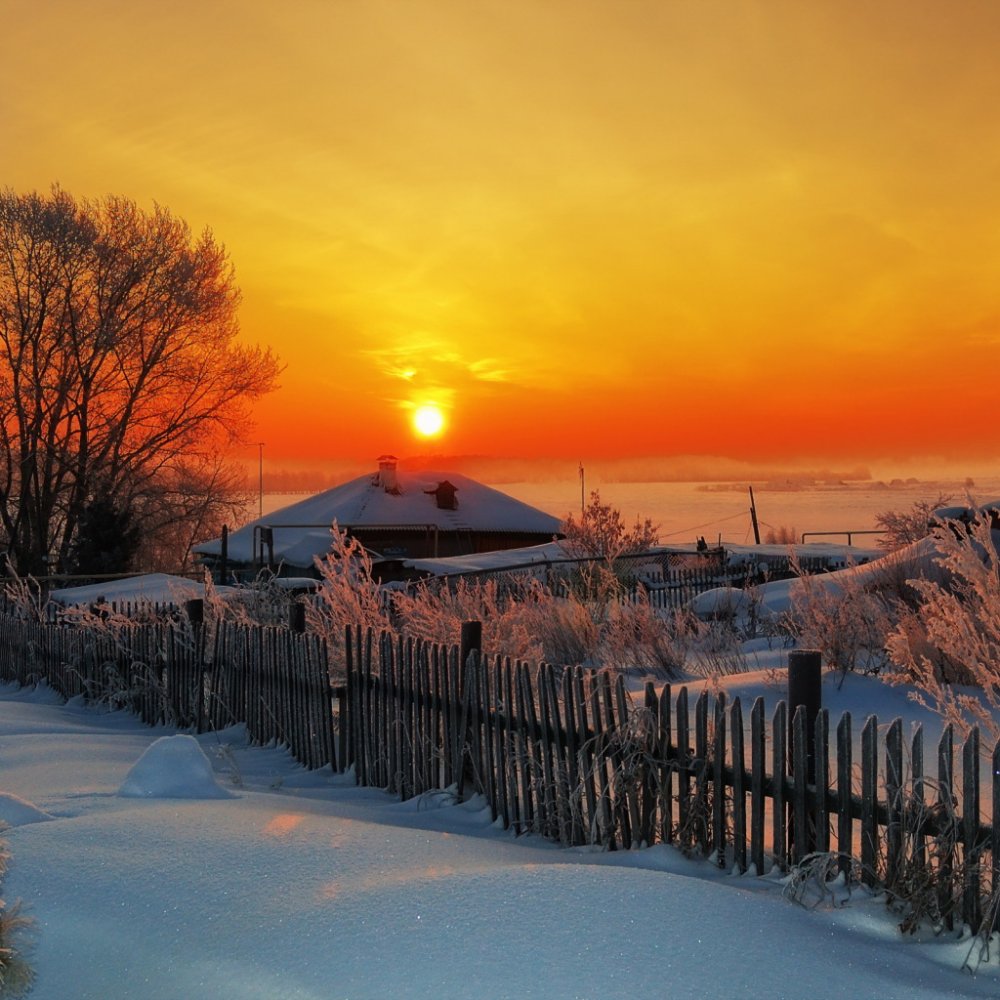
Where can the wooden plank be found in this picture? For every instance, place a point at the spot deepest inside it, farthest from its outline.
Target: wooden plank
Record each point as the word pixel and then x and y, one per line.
pixel 553 752
pixel 739 806
pixel 758 757
pixel 995 837
pixel 946 809
pixel 869 799
pixel 393 691
pixel 603 826
pixel 512 750
pixel 821 812
pixel 438 762
pixel 488 722
pixel 915 810
pixel 801 844
pixel 456 736
pixel 523 743
pixel 667 758
pixel 719 782
pixel 971 908
pixel 575 778
pixel 779 764
pixel 894 793
pixel 628 768
pixel 587 796
pixel 385 745
pixel 528 710
pixel 702 773
pixel 845 792
pixel 647 775
pixel 684 771
pixel 502 806
pixel 468 669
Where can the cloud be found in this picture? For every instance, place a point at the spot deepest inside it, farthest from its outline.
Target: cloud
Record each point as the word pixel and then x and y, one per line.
pixel 436 365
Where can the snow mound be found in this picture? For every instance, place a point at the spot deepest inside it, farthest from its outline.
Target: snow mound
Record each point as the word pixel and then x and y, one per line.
pixel 19 812
pixel 174 767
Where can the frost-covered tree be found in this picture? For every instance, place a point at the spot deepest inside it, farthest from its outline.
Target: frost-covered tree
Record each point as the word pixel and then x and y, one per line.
pixel 600 532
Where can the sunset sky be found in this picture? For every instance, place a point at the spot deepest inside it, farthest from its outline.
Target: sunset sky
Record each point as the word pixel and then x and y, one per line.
pixel 765 231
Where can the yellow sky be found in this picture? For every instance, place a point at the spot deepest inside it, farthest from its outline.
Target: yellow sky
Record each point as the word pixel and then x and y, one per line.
pixel 758 230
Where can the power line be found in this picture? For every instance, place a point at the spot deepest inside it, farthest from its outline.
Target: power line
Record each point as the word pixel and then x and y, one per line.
pixel 698 527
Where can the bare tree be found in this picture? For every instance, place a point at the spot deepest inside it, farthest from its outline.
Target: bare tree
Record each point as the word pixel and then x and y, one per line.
pixel 119 364
pixel 600 532
pixel 903 527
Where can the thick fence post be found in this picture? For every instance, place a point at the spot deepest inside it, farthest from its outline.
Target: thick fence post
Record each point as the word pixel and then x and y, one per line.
pixel 471 642
pixel 472 639
pixel 805 687
pixel 297 617
pixel 805 690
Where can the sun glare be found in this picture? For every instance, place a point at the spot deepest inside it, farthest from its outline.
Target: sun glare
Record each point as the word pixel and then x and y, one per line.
pixel 428 420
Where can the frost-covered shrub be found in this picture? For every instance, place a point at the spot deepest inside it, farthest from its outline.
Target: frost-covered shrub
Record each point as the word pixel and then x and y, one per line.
pixel 436 613
pixel 781 535
pixel 903 527
pixel 348 594
pixel 637 635
pixel 24 596
pixel 565 627
pixel 848 619
pixel 952 635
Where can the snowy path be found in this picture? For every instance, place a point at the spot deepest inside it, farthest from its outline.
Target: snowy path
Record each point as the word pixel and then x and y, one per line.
pixel 301 887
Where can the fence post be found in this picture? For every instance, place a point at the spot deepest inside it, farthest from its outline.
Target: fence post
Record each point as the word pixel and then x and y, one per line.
pixel 297 617
pixel 472 639
pixel 471 642
pixel 805 689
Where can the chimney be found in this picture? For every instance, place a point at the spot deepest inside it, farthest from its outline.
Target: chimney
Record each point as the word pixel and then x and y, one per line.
pixel 387 474
pixel 444 494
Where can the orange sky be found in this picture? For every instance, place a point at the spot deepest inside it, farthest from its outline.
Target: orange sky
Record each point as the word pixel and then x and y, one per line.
pixel 765 231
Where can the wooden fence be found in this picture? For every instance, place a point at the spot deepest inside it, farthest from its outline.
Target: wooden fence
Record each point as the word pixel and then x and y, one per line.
pixel 273 680
pixel 566 753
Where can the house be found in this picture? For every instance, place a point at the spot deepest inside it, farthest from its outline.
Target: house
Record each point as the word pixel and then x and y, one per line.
pixel 396 514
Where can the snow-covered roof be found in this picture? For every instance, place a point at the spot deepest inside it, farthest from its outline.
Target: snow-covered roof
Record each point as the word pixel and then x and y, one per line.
pixel 828 554
pixel 152 588
pixel 831 556
pixel 302 530
pixel 525 557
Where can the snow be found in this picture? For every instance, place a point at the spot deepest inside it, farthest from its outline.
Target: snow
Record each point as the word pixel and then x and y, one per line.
pixel 174 767
pixel 300 886
pixel 776 597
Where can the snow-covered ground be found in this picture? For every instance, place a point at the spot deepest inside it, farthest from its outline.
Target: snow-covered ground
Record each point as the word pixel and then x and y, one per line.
pixel 160 866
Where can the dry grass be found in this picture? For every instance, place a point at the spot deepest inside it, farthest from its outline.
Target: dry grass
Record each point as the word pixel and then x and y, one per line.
pixel 16 939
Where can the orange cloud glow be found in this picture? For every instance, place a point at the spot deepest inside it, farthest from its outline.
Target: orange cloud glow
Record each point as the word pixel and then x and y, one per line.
pixel 755 230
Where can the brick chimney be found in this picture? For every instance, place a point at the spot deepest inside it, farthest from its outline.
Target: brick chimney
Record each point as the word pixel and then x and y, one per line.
pixel 387 474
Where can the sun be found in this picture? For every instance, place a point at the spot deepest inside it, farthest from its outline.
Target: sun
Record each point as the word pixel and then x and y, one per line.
pixel 428 420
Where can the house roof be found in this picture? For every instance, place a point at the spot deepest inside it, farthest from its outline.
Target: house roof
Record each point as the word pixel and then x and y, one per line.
pixel 153 588
pixel 302 530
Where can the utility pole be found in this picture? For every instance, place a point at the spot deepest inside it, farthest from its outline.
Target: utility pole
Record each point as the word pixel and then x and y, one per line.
pixel 582 502
pixel 753 519
pixel 260 478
